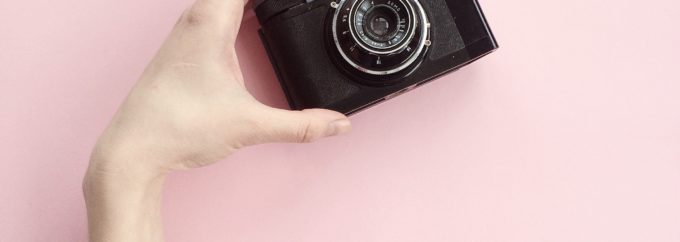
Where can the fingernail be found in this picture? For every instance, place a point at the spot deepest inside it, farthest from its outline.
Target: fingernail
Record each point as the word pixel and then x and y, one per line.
pixel 339 127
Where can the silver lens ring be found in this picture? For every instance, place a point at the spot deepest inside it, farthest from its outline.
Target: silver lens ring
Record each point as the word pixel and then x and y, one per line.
pixel 353 51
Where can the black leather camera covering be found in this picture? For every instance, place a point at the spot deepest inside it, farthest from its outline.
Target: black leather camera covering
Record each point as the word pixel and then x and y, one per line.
pixel 294 34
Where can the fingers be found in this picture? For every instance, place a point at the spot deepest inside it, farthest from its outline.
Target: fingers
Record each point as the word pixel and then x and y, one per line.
pixel 207 28
pixel 214 18
pixel 303 126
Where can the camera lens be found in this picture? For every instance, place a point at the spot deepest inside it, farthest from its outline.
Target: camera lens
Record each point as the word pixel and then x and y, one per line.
pixel 381 23
pixel 381 39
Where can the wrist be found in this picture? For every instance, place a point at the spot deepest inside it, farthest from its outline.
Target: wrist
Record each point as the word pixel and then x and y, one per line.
pixel 117 169
pixel 102 178
pixel 123 160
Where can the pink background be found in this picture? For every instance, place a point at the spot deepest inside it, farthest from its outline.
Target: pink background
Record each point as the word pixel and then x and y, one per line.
pixel 570 132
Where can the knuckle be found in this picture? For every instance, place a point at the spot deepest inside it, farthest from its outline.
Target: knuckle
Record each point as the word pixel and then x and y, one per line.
pixel 308 133
pixel 196 15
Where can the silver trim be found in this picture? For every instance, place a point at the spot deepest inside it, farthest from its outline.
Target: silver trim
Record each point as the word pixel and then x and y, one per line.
pixel 423 37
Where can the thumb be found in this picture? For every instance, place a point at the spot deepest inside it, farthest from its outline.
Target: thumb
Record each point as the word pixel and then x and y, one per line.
pixel 303 126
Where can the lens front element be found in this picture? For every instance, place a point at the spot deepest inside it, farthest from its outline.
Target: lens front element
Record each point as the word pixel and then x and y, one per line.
pixel 382 23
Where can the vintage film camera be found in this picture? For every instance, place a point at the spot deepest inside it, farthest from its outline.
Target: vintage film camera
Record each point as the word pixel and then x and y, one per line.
pixel 347 55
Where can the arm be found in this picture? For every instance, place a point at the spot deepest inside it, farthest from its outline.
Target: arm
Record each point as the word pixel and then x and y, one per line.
pixel 189 109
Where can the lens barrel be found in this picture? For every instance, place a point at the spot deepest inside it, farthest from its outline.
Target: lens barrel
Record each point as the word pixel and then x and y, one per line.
pixel 380 37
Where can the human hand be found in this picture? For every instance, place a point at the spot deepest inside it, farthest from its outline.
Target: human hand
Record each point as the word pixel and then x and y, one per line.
pixel 190 108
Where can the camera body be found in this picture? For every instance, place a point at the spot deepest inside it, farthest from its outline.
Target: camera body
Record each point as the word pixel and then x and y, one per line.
pixel 348 55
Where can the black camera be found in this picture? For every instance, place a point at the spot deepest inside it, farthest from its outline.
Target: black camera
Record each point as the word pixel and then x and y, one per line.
pixel 347 55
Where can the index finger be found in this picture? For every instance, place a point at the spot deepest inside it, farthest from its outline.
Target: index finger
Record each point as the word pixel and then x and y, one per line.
pixel 214 20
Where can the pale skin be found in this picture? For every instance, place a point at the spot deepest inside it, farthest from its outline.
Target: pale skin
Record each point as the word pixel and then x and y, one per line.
pixel 189 109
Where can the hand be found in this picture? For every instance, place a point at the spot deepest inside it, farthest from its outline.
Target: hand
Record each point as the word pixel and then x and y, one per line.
pixel 189 109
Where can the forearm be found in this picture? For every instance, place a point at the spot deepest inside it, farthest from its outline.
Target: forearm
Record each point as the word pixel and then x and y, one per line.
pixel 123 207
